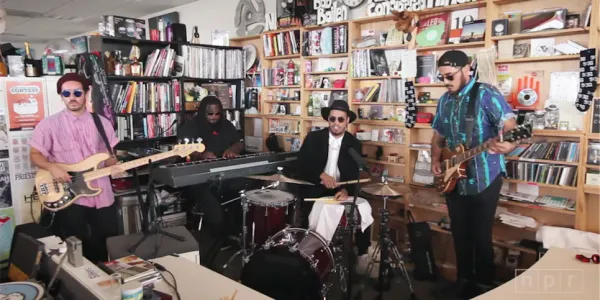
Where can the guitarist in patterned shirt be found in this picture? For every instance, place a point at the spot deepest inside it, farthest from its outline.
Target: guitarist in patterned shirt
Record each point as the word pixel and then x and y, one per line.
pixel 472 204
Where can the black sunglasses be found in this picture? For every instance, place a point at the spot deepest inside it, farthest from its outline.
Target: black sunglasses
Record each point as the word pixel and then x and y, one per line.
pixel 67 93
pixel 214 114
pixel 450 77
pixel 339 119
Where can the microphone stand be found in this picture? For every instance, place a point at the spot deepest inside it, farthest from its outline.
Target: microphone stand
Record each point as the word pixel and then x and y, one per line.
pixel 352 229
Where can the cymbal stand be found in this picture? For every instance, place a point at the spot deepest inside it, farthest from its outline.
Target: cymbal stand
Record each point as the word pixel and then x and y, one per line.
pixel 244 249
pixel 388 266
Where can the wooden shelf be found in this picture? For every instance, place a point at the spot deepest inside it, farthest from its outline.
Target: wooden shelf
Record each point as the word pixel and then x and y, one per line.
pixel 595 167
pixel 435 84
pixel 375 78
pixel 314 119
pixel 327 73
pixel 380 123
pixel 383 144
pixel 285 134
pixel 287 117
pixel 536 207
pixel 537 59
pixel 539 34
pixel 383 162
pixel 284 102
pixel 393 104
pixel 253 115
pixel 240 39
pixel 557 133
pixel 296 86
pixel 452 46
pixel 554 186
pixel 330 89
pixel 282 57
pixel 317 27
pixel 282 30
pixel 383 47
pixel 591 189
pixel 502 2
pixel 336 55
pixel 543 161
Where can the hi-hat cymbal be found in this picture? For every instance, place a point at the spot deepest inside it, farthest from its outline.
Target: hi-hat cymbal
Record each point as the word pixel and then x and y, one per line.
pixel 385 189
pixel 280 178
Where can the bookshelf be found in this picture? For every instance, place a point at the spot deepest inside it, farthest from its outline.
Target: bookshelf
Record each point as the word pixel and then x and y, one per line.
pixel 164 104
pixel 420 200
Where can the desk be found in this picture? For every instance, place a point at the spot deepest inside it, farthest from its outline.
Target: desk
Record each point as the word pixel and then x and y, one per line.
pixel 557 275
pixel 192 279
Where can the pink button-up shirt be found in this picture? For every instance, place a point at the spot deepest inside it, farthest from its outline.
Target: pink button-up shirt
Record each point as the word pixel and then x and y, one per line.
pixel 65 138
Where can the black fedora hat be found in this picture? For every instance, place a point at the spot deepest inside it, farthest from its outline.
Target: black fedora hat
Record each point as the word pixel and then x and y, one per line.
pixel 338 105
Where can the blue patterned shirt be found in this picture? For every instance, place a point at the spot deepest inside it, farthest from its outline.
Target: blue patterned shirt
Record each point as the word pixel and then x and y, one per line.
pixel 491 111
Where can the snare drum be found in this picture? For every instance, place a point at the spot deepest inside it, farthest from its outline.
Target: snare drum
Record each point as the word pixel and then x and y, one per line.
pixel 269 211
pixel 294 264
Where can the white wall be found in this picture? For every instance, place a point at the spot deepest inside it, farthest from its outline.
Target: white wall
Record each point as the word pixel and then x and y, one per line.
pixel 210 15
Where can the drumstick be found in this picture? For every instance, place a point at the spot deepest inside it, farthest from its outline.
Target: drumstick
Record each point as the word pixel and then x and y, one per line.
pixel 319 199
pixel 355 181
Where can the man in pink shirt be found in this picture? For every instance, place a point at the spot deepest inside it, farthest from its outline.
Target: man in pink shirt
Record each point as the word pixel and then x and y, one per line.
pixel 69 137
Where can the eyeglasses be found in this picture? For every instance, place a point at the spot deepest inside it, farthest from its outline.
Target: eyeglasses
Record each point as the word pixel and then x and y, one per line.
pixel 67 93
pixel 214 114
pixel 594 258
pixel 339 119
pixel 450 77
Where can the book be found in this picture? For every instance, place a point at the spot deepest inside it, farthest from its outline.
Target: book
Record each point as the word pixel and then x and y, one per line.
pixel 130 267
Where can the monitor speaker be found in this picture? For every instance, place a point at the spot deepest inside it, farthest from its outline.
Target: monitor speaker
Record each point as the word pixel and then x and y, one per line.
pixel 179 32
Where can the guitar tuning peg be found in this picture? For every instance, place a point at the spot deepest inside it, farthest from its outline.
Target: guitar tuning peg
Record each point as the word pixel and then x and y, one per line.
pixel 186 140
pixel 199 140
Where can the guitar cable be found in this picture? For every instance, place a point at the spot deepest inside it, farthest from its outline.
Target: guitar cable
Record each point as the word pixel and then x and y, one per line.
pixel 173 285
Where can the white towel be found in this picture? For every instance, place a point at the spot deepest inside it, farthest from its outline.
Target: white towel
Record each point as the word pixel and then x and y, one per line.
pixel 325 217
pixel 568 238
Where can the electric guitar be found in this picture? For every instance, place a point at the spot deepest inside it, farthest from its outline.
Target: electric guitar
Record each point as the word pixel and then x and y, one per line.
pixel 454 162
pixel 55 195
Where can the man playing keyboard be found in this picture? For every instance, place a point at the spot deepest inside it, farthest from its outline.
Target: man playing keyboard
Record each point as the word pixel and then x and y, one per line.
pixel 324 160
pixel 221 140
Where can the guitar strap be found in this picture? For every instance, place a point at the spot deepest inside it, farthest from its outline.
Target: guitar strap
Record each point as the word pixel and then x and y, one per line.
pixel 100 128
pixel 470 117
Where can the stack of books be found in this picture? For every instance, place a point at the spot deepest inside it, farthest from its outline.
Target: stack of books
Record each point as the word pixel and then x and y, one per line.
pixel 131 268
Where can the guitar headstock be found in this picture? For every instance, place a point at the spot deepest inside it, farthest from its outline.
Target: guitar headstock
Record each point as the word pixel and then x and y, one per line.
pixel 186 148
pixel 520 133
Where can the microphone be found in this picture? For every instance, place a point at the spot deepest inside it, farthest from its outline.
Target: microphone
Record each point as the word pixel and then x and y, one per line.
pixel 360 161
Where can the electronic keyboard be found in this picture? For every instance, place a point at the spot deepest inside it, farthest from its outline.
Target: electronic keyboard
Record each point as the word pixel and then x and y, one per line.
pixel 197 172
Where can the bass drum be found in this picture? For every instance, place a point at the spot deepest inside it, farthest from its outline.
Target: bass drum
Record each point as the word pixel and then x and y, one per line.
pixel 294 264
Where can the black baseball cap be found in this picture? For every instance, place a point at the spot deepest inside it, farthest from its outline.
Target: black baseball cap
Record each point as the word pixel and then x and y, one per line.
pixel 453 58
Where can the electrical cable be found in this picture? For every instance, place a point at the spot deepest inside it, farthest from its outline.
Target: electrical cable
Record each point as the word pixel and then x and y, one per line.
pixel 173 285
pixel 60 264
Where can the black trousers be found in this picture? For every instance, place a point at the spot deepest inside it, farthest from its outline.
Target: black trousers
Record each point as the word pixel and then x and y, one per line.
pixel 363 239
pixel 472 218
pixel 207 198
pixel 90 225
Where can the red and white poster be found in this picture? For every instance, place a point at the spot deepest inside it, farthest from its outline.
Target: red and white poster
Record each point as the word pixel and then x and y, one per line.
pixel 25 101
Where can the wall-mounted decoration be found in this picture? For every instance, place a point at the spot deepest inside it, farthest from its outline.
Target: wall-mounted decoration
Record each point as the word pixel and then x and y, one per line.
pixel 385 7
pixel 329 11
pixel 249 18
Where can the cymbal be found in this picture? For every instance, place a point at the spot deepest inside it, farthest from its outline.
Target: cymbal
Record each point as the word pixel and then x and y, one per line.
pixel 280 178
pixel 385 189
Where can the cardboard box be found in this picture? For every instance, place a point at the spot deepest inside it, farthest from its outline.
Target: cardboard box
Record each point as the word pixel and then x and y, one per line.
pixel 125 27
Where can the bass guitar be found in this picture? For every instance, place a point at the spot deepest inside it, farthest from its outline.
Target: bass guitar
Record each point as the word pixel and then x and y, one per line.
pixel 55 195
pixel 454 162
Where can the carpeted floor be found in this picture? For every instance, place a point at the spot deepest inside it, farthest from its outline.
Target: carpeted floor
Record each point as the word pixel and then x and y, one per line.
pixel 398 290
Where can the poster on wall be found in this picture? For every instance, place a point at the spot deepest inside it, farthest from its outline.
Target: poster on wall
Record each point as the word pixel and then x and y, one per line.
pixel 25 103
pixel 3 135
pixel 22 174
pixel 5 191
pixel 7 228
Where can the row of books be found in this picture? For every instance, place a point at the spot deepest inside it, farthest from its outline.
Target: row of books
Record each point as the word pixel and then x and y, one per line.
pixel 330 40
pixel 146 97
pixel 559 151
pixel 136 127
pixel 212 63
pixel 542 173
pixel 282 43
pixel 279 76
pixel 160 63
pixel 541 200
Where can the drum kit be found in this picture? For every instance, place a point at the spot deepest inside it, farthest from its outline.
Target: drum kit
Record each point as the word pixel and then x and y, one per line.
pixel 277 257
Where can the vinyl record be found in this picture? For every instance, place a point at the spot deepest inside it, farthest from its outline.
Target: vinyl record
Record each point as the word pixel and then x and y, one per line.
pixel 250 56
pixel 527 97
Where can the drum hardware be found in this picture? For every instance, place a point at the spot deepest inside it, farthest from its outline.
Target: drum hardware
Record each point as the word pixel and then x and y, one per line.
pixel 386 245
pixel 279 177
